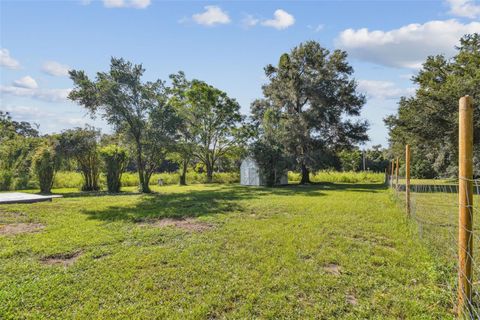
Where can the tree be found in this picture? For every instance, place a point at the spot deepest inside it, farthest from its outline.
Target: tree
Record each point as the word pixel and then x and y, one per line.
pixel 185 147
pixel 317 99
pixel 428 121
pixel 18 141
pixel 131 106
pixel 115 159
pixel 45 162
pixel 82 146
pixel 267 149
pixel 350 159
pixel 210 122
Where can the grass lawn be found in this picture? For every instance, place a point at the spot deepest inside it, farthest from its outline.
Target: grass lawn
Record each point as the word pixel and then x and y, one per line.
pixel 326 251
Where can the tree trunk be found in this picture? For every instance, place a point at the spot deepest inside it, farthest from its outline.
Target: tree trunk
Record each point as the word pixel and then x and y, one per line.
pixel 305 175
pixel 143 185
pixel 209 173
pixel 183 175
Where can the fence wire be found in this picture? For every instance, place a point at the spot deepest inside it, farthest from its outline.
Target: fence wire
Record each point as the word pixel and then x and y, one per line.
pixel 434 209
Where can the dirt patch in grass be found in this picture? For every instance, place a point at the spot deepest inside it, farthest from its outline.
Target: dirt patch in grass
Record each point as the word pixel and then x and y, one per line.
pixel 65 259
pixel 333 269
pixel 351 299
pixel 189 224
pixel 17 228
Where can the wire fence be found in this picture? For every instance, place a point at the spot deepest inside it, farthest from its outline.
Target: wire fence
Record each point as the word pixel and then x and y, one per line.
pixel 443 212
pixel 434 209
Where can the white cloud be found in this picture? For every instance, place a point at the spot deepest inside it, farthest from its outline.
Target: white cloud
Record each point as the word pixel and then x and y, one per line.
pixel 383 90
pixel 50 95
pixel 405 47
pixel 55 69
pixel 316 29
pixel 137 4
pixel 26 82
pixel 213 15
pixel 249 21
pixel 7 61
pixel 465 8
pixel 281 20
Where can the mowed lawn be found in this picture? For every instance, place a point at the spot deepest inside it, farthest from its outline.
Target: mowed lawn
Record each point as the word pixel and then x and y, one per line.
pixel 326 251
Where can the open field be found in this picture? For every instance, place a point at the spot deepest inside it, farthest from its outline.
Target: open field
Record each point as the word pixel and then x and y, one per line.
pixel 325 251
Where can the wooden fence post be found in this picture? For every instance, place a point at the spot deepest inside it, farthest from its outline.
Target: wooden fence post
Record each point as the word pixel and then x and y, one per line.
pixel 392 169
pixel 465 205
pixel 407 179
pixel 396 175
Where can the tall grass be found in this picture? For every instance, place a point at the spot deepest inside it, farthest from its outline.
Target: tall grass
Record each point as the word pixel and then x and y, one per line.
pixel 69 179
pixel 342 177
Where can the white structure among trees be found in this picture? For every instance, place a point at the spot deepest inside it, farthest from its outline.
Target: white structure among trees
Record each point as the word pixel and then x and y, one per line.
pixel 250 174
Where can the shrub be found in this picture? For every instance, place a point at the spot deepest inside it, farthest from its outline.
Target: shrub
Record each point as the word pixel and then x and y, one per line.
pixel 116 159
pixel 44 165
pixel 5 180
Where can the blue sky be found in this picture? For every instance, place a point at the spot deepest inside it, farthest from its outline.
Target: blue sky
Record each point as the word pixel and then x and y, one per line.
pixel 224 43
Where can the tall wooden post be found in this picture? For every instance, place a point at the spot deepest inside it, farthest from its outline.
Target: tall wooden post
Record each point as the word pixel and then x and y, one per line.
pixel 465 205
pixel 392 169
pixel 396 174
pixel 407 179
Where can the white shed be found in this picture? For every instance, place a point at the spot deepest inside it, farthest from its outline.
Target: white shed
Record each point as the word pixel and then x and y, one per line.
pixel 250 174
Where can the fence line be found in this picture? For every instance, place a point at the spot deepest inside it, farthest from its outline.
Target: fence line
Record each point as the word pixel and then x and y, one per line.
pixel 443 211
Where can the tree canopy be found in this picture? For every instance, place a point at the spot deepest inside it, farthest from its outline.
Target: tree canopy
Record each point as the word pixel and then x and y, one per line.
pixel 315 97
pixel 428 121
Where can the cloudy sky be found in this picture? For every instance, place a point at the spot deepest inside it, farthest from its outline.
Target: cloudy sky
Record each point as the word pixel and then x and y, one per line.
pixel 224 43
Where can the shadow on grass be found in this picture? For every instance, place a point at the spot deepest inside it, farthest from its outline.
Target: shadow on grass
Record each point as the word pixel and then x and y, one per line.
pixel 194 203
pixel 211 200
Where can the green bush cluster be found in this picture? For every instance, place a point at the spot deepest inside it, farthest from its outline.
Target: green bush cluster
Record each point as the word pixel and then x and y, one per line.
pixel 116 159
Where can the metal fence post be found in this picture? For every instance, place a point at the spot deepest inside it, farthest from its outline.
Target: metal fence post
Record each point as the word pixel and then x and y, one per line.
pixel 465 205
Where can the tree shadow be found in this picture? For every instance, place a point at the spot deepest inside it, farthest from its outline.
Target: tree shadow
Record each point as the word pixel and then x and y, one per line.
pixel 211 200
pixel 194 203
pixel 81 194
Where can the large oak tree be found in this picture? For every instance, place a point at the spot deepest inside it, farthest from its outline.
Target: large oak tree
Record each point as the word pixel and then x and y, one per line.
pixel 313 91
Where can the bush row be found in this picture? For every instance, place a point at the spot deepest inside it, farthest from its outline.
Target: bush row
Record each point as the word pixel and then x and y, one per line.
pixel 69 179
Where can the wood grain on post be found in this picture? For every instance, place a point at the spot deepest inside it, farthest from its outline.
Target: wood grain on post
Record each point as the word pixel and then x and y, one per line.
pixel 396 175
pixel 407 179
pixel 465 205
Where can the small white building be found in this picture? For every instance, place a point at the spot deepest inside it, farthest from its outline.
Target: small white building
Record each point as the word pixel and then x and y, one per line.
pixel 250 174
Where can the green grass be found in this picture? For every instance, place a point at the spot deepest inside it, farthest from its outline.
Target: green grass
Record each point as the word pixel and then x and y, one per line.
pixel 264 258
pixel 434 213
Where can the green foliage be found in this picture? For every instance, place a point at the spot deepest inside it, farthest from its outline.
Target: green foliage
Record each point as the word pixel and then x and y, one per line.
pixel 45 162
pixel 351 160
pixel 130 179
pixel 267 150
pixel 428 121
pixel 81 145
pixel 6 179
pixel 134 108
pixel 315 95
pixel 209 122
pixel 115 159
pixel 339 177
pixel 18 140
